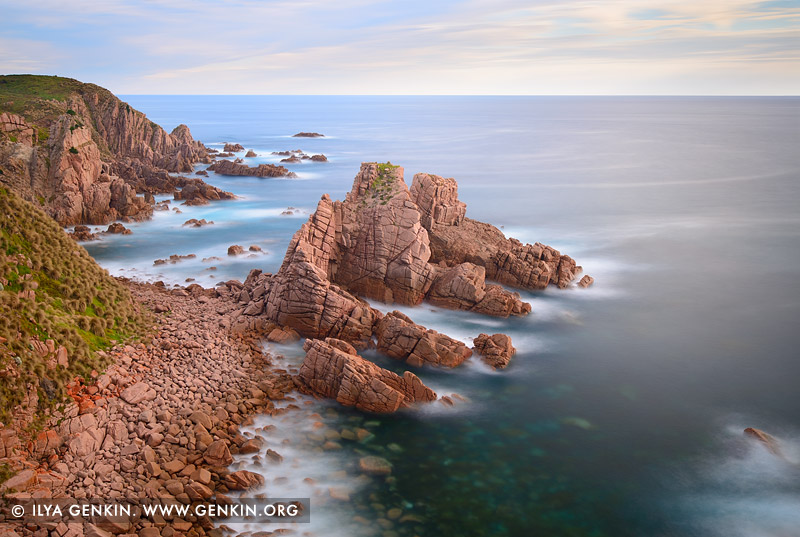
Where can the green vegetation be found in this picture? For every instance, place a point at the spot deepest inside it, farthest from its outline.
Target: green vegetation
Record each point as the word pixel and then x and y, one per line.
pixel 51 289
pixel 6 472
pixel 43 134
pixel 70 111
pixel 73 150
pixel 382 186
pixel 43 87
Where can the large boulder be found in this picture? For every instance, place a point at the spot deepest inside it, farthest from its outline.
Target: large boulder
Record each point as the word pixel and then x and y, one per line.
pixel 399 337
pixel 496 350
pixel 332 368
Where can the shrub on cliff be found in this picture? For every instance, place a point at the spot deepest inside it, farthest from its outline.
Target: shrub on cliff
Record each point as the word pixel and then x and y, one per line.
pixel 52 295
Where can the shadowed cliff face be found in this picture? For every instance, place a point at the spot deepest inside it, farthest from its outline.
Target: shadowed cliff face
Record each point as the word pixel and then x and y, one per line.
pixel 82 154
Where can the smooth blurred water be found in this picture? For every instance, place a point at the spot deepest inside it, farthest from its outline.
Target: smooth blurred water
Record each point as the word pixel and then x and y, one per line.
pixel 622 413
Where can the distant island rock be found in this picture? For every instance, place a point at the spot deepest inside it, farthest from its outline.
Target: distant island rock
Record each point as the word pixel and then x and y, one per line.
pixel 308 135
pixel 233 148
pixel 227 167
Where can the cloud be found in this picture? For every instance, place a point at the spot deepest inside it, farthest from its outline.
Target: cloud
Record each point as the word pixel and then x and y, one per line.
pixel 377 46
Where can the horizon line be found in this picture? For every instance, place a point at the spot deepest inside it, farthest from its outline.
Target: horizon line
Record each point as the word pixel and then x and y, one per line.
pixel 781 95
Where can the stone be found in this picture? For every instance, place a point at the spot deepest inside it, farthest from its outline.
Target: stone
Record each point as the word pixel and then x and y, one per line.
pixel 174 466
pixel 283 335
pixel 332 368
pixel 496 350
pixel 118 228
pixel 138 392
pixel 218 454
pixel 235 250
pixel 251 154
pixel 243 480
pixel 20 481
pixel 198 491
pixel 399 337
pixel 201 418
pixel 373 465
pixel 586 281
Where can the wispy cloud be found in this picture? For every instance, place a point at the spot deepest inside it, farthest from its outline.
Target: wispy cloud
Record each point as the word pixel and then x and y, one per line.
pixel 378 46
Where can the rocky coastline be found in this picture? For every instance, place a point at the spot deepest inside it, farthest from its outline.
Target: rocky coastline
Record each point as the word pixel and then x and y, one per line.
pixel 161 419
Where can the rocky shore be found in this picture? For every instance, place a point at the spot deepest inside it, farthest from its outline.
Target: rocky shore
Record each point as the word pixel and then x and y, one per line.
pixel 160 423
pixel 158 418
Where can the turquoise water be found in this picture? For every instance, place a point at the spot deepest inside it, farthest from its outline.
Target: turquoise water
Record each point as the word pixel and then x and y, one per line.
pixel 622 412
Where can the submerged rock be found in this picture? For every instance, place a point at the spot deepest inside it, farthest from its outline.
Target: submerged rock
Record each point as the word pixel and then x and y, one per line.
pixel 769 441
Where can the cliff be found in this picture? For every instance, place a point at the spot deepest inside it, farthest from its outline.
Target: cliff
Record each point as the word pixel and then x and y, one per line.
pixel 82 154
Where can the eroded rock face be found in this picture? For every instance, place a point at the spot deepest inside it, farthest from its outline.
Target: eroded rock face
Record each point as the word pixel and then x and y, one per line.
pixel 463 287
pixel 376 244
pixel 399 337
pixel 496 350
pixel 233 148
pixel 228 167
pixel 197 192
pixel 333 369
pixel 86 157
pixel 456 239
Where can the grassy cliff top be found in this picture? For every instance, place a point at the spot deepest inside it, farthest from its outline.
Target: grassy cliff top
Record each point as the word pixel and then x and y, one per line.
pixel 41 98
pixel 51 289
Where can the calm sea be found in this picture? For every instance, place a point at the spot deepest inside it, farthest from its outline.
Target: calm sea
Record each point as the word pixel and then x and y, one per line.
pixel 622 413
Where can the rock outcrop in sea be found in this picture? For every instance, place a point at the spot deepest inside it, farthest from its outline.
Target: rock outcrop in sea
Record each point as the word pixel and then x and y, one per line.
pixel 84 155
pixel 229 167
pixel 332 368
pixel 376 244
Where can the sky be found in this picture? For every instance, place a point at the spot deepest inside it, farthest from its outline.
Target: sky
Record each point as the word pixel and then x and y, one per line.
pixel 452 47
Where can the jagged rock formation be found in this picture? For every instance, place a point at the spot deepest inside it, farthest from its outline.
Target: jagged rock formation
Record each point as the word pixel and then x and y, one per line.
pixel 233 148
pixel 399 337
pixel 496 350
pixel 332 368
pixel 456 239
pixel 196 192
pixel 375 244
pixel 84 154
pixel 228 167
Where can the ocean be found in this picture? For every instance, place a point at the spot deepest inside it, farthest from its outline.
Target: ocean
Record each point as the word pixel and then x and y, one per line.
pixel 622 412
